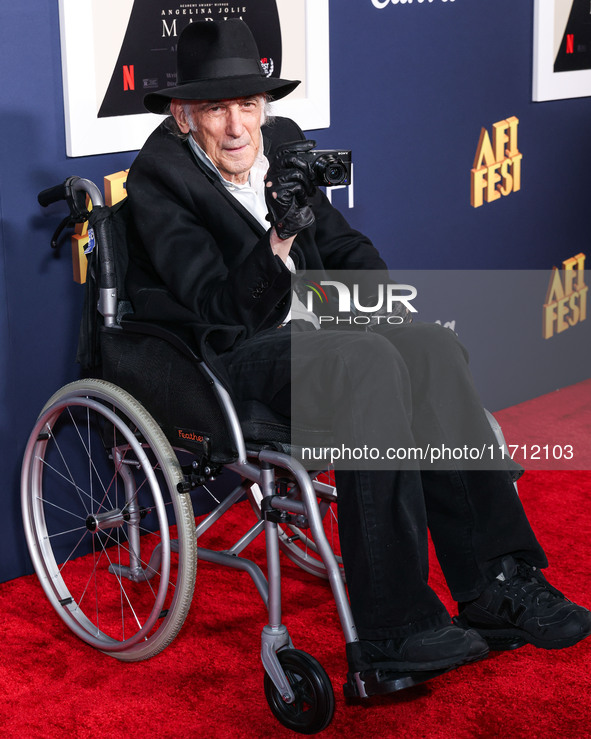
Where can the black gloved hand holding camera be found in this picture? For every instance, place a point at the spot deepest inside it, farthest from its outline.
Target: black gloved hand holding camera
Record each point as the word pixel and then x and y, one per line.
pixel 288 186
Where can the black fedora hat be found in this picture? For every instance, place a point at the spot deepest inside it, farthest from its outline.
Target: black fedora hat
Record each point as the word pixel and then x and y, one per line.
pixel 218 60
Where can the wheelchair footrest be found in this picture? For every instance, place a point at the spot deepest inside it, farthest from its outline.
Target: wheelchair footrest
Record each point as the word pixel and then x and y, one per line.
pixel 379 682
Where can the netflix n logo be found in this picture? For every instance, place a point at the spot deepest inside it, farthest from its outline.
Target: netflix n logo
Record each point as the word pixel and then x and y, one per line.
pixel 128 77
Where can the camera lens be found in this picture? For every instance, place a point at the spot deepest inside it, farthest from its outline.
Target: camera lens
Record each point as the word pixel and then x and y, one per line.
pixel 335 174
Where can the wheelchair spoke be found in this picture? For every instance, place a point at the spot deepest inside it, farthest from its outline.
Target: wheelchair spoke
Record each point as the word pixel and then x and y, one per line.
pixel 69 480
pixel 61 508
pixel 123 593
pixel 80 540
pixel 121 601
pixel 92 573
pixel 96 589
pixel 87 449
pixel 68 531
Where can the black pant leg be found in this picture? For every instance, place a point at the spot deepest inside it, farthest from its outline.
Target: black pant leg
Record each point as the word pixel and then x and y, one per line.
pixel 475 515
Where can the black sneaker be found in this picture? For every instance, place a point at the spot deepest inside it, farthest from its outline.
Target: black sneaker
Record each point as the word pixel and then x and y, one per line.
pixel 436 649
pixel 379 667
pixel 521 607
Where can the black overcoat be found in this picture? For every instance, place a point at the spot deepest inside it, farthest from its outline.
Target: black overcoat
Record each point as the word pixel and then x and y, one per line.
pixel 198 257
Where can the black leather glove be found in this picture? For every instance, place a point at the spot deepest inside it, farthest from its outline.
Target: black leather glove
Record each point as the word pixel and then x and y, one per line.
pixel 287 188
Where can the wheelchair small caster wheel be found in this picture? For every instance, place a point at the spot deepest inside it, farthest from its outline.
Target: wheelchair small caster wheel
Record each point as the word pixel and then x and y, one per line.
pixel 313 708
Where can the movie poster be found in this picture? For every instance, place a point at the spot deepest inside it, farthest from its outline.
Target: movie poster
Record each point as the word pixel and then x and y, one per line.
pixel 574 44
pixel 562 49
pixel 115 51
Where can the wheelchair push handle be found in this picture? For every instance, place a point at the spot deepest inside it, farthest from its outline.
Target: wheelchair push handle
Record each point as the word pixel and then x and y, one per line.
pixel 52 195
pixel 72 190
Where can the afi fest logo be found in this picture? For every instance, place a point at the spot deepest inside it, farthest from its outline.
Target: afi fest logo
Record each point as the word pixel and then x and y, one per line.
pixel 566 299
pixel 497 166
pixel 384 307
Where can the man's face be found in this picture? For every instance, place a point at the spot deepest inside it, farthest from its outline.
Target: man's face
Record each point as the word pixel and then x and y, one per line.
pixel 228 131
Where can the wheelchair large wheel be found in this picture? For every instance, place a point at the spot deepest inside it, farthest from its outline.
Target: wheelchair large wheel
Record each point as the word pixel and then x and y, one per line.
pixel 296 542
pixel 313 707
pixel 111 538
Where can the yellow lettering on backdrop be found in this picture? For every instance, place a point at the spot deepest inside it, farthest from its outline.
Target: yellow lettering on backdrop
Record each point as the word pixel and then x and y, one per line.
pixel 496 170
pixel 566 297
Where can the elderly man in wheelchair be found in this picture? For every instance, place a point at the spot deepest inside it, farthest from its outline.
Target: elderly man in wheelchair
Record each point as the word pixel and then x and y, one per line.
pixel 224 209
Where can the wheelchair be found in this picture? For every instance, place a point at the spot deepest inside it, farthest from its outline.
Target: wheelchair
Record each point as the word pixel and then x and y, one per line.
pixel 108 474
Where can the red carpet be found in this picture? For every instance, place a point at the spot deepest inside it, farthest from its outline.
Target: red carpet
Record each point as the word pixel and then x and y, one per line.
pixel 545 429
pixel 208 683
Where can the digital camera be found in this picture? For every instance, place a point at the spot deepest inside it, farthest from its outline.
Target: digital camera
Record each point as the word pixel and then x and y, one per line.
pixel 328 167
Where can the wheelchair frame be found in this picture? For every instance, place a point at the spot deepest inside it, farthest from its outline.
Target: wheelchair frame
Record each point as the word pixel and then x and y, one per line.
pixel 296 686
